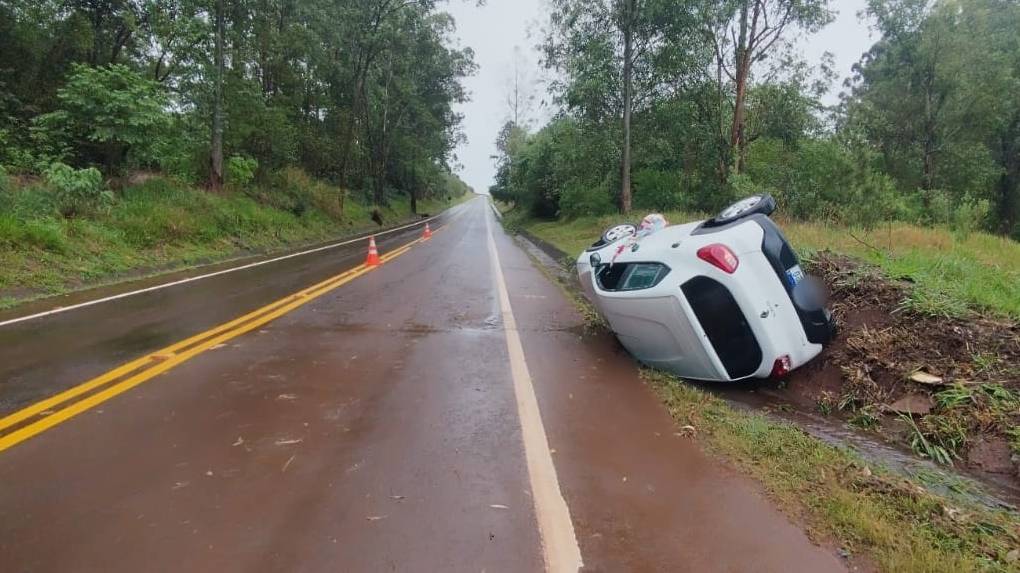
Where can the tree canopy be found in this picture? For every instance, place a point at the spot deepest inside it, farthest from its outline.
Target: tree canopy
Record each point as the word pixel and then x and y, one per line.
pixel 361 92
pixel 927 130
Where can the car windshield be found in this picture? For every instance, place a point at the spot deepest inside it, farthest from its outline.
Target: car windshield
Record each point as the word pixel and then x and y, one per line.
pixel 632 276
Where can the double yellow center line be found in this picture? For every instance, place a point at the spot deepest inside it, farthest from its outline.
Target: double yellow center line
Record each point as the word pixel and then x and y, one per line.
pixel 45 414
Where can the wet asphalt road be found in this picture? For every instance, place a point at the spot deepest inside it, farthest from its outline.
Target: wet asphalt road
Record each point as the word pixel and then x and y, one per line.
pixel 95 339
pixel 373 429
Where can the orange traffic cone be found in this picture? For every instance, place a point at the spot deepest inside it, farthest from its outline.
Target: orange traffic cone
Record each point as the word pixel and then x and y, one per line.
pixel 428 233
pixel 373 254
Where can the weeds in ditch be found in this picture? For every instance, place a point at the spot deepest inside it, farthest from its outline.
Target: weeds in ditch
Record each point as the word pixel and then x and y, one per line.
pixel 826 403
pixel 955 397
pixel 1003 400
pixel 985 362
pixel 866 418
pixel 925 448
pixel 1014 439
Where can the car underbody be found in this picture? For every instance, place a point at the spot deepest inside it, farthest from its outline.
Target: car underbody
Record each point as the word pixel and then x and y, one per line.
pixel 722 300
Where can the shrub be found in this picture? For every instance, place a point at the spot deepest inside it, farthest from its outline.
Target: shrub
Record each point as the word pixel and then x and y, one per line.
pixel 185 154
pixel 110 114
pixel 579 200
pixel 17 150
pixel 969 216
pixel 743 185
pixel 656 190
pixel 77 190
pixel 293 190
pixel 869 200
pixel 241 170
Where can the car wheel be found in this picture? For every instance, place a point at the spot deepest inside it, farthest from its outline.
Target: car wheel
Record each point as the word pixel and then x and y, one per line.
pixel 755 204
pixel 617 232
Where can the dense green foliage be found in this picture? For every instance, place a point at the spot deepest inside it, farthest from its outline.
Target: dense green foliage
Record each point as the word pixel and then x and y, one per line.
pixel 927 132
pixel 359 92
pixel 111 162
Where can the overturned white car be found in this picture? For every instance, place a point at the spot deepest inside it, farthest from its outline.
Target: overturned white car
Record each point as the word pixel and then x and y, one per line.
pixel 723 299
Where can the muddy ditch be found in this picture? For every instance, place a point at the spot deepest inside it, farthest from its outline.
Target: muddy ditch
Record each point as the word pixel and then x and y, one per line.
pixel 947 387
pixel 934 398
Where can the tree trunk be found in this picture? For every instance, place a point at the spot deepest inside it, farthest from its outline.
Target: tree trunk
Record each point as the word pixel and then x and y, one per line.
pixel 1009 183
pixel 742 63
pixel 928 167
pixel 929 142
pixel 347 135
pixel 216 151
pixel 628 96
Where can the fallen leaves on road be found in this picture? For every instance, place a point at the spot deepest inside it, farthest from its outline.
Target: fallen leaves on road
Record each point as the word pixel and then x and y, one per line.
pixel 499 506
pixel 289 442
pixel 239 441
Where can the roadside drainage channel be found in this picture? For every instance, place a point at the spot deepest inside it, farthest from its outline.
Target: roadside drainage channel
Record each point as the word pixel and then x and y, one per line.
pixel 952 483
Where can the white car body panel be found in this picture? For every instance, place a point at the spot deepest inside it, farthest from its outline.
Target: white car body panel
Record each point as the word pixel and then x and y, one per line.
pixel 659 327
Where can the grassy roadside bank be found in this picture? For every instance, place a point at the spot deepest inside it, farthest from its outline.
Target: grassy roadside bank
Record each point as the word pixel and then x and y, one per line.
pixel 888 521
pixel 160 226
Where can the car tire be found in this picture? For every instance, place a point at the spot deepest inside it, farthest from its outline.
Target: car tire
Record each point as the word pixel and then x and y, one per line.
pixel 617 232
pixel 753 205
pixel 613 234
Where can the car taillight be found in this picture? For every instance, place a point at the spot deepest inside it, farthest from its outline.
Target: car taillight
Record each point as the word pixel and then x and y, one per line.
pixel 781 367
pixel 721 256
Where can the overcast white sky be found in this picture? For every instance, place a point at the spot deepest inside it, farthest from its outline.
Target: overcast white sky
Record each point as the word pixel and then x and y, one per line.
pixel 494 29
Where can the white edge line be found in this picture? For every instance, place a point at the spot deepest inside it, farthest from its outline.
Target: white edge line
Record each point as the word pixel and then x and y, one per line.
pixel 61 309
pixel 559 541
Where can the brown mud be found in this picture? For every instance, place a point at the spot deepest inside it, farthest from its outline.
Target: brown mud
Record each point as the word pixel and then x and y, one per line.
pixel 957 378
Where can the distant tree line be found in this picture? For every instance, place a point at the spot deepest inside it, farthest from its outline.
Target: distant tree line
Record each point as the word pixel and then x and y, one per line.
pixel 359 92
pixel 679 104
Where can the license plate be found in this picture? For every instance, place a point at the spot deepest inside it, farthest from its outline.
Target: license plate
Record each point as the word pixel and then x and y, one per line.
pixel 794 275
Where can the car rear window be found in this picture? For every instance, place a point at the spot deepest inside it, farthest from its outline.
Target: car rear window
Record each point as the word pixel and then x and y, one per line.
pixel 725 325
pixel 631 276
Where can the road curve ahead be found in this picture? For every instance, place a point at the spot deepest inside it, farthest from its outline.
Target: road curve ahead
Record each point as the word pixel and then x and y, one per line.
pixel 442 412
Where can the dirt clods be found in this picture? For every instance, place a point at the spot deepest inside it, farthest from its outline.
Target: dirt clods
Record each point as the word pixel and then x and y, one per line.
pixel 947 386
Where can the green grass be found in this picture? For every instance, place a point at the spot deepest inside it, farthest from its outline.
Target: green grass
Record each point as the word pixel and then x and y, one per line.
pixel 865 510
pixel 951 273
pixel 162 225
